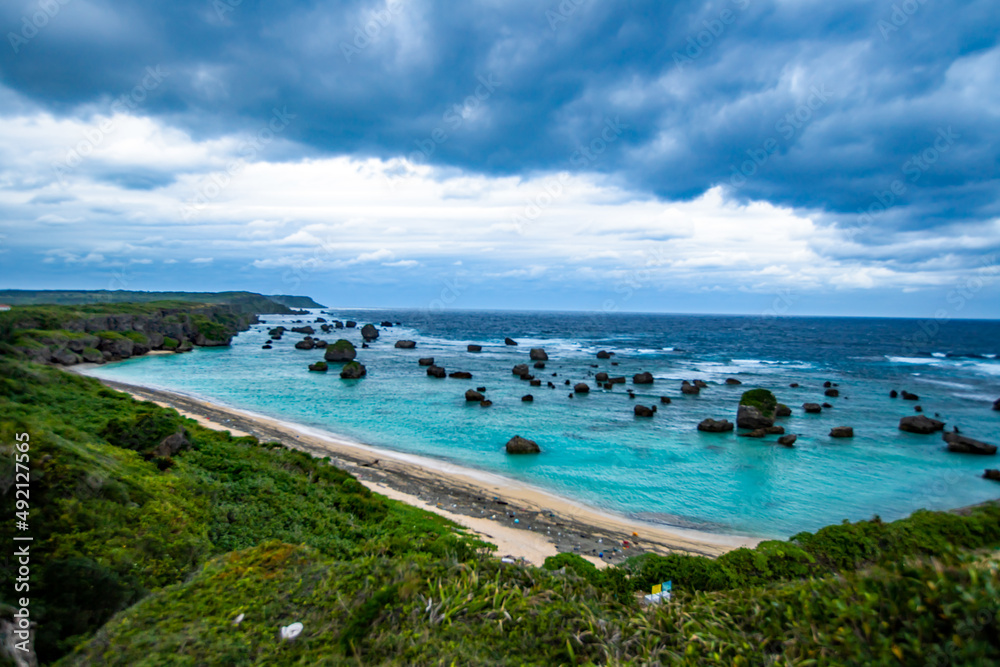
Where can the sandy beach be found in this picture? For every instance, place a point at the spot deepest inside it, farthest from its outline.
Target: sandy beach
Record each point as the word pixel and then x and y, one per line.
pixel 525 522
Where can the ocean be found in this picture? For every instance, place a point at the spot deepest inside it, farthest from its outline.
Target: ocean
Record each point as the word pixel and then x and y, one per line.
pixel 595 451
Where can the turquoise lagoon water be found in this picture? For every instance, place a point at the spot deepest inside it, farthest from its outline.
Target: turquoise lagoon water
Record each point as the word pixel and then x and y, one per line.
pixel 595 451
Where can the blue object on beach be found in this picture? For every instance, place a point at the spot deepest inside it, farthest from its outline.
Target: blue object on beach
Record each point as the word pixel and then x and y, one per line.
pixel 517 521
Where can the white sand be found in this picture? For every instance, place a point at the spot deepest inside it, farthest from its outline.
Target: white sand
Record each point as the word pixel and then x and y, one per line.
pixel 534 547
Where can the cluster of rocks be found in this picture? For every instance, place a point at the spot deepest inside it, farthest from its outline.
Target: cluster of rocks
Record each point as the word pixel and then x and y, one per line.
pixel 112 337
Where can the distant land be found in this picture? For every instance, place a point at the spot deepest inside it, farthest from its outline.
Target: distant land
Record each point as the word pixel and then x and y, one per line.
pixel 259 302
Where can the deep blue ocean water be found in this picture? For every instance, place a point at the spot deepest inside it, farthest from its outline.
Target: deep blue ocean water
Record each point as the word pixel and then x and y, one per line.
pixel 596 451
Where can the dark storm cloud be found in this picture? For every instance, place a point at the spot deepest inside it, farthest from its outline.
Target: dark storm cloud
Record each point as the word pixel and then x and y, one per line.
pixel 834 106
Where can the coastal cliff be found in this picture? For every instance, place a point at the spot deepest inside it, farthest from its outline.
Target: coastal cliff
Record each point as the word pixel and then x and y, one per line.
pixel 97 333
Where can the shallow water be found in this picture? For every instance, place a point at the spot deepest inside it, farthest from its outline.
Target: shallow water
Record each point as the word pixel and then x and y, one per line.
pixel 661 469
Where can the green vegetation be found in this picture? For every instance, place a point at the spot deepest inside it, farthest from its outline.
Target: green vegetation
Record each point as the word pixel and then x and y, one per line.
pixel 246 301
pixel 170 343
pixel 112 522
pixel 212 330
pixel 342 345
pixel 319 366
pixel 146 555
pixel 762 399
pixel 137 337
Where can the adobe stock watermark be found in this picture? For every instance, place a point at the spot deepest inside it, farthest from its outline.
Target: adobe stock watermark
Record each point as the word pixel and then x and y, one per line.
pixel 223 7
pixel 95 136
pixel 32 24
pixel 583 157
pixel 899 16
pixel 453 118
pixel 365 34
pixel 703 40
pixel 212 185
pixel 913 169
pixel 961 294
pixel 786 127
pixel 561 12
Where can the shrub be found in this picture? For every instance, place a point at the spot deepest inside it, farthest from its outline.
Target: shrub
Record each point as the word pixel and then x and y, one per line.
pixel 137 337
pixel 169 343
pixel 762 399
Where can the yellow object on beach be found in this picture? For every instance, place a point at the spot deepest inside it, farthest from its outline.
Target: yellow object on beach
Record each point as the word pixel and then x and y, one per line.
pixel 658 588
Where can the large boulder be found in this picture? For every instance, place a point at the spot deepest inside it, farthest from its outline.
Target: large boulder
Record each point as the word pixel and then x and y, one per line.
pixel 340 351
pixel 642 378
pixel 521 370
pixel 319 367
pixel 788 440
pixel 690 389
pixel 617 380
pixel 732 381
pixel 352 370
pixel 842 432
pixel 812 408
pixel 643 411
pixel 172 444
pixel 201 340
pixel 701 384
pixel 473 395
pixel 65 357
pixel 756 409
pixel 436 372
pixel 920 424
pixel 386 323
pixel 509 341
pixel 351 324
pixel 601 377
pixel 832 393
pixel 782 410
pixel 119 348
pixel 527 398
pixel 581 388
pixel 519 445
pixel 304 330
pixel 996 404
pixel 461 375
pixel 604 354
pixel 405 344
pixel 474 348
pixel 538 354
pixel 306 343
pixel 992 474
pixel 907 396
pixel 426 361
pixel 715 426
pixel 962 445
pixel 369 332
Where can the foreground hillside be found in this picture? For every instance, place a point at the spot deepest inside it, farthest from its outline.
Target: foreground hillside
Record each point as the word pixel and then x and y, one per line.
pixel 161 542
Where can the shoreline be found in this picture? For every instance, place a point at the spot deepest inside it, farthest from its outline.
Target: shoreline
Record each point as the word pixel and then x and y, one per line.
pixel 525 522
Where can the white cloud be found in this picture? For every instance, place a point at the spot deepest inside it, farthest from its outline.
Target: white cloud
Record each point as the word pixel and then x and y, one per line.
pixel 287 215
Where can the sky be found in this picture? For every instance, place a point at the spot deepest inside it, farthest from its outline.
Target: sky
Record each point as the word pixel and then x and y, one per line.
pixel 783 157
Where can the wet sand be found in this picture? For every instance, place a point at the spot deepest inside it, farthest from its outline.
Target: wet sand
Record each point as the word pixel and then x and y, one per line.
pixel 524 522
